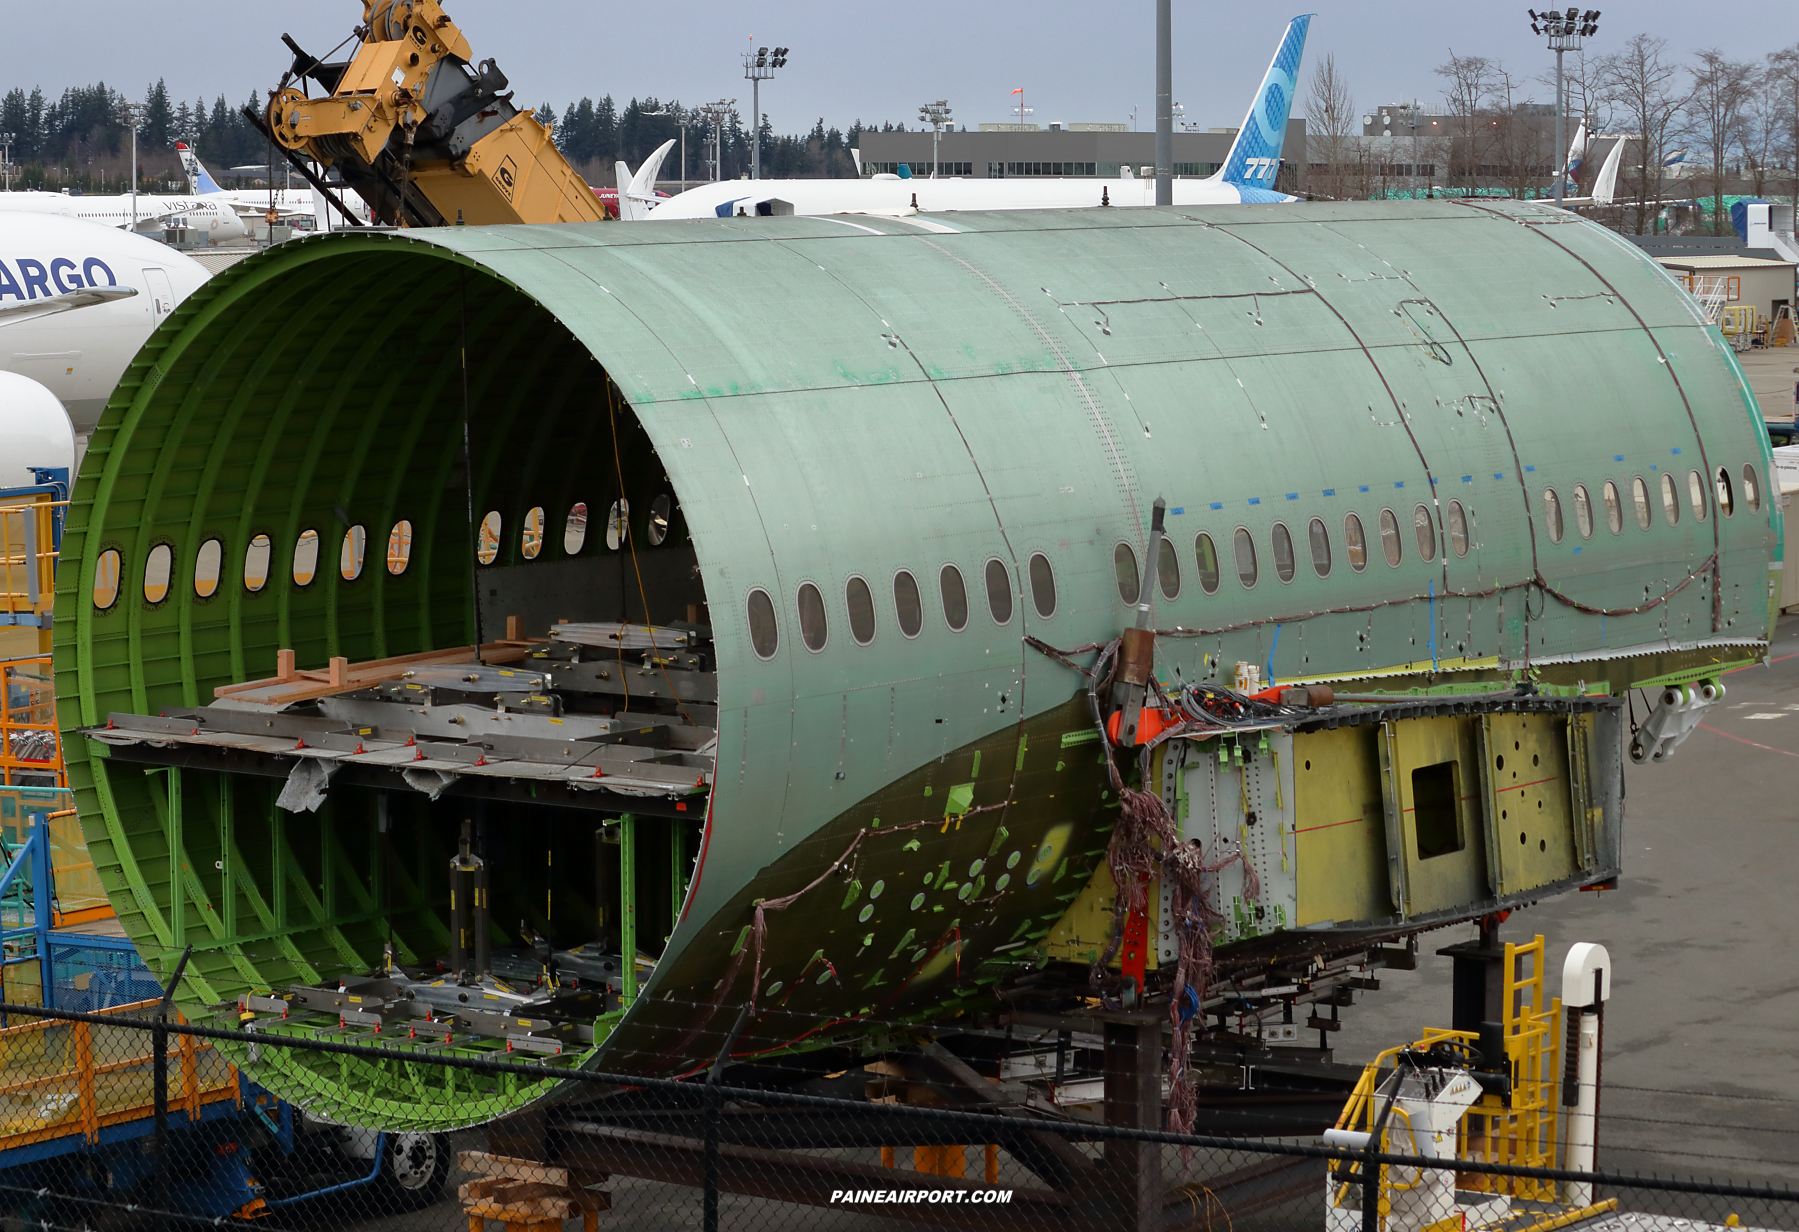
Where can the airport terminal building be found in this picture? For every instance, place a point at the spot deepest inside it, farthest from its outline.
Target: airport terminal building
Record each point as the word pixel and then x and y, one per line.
pixel 1055 149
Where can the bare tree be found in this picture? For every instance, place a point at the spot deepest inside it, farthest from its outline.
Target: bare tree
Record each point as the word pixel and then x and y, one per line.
pixel 1714 116
pixel 1468 83
pixel 1759 137
pixel 1585 99
pixel 1782 82
pixel 1644 89
pixel 1332 129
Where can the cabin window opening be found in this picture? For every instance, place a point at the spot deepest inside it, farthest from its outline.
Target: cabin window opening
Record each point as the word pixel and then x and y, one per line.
pixel 1424 528
pixel 1285 564
pixel 1043 586
pixel 765 633
pixel 1168 569
pixel 1436 810
pixel 955 597
pixel 662 511
pixel 860 602
pixel 399 551
pixel 908 607
pixel 999 591
pixel 158 566
pixel 530 540
pixel 1389 538
pixel 256 563
pixel 574 529
pixel 1458 528
pixel 106 579
pixel 1726 498
pixel 1355 543
pixel 487 537
pixel 1246 557
pixel 1614 509
pixel 1583 511
pixel 353 553
pixel 1205 555
pixel 1320 537
pixel 618 524
pixel 1552 515
pixel 1752 491
pixel 1670 499
pixel 813 630
pixel 1124 564
pixel 306 558
pixel 1639 493
pixel 1696 493
pixel 209 565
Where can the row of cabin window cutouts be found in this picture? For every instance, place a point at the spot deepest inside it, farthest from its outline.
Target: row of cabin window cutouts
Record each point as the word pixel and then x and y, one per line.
pixel 159 565
pixel 908 606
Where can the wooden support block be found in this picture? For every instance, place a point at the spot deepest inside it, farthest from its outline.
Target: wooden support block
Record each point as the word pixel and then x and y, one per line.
pixel 515 628
pixel 284 665
pixel 340 671
pixel 510 1168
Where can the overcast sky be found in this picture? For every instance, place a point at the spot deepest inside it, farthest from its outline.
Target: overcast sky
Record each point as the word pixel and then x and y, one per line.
pixel 1076 61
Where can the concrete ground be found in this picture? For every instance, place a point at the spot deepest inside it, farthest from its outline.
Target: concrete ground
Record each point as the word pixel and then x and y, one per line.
pixel 1701 1050
pixel 1701 1067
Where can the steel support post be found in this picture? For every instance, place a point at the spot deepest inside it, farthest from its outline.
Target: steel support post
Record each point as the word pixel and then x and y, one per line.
pixel 1133 1096
pixel 627 903
pixel 159 1078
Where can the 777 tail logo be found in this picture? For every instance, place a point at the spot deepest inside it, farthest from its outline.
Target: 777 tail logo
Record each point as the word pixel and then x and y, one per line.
pixel 1260 168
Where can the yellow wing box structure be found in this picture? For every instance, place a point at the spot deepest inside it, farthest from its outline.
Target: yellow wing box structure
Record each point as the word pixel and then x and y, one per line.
pixel 424 136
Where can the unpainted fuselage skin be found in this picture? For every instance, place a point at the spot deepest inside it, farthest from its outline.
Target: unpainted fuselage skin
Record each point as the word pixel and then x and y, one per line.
pixel 829 405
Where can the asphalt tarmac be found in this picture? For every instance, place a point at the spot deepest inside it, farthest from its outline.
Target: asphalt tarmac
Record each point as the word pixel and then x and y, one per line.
pixel 1701 1047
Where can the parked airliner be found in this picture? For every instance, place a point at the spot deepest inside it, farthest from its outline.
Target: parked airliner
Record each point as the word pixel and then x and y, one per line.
pixel 77 302
pixel 153 212
pixel 1247 176
pixel 255 203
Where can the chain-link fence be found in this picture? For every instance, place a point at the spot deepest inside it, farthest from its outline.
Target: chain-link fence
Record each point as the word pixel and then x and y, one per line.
pixel 129 1118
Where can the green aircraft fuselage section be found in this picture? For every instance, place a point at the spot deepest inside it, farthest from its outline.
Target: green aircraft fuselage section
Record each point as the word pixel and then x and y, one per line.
pixel 832 399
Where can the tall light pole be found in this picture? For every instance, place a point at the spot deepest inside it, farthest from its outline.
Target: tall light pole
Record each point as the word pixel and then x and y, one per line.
pixel 6 140
pixel 130 114
pixel 1565 32
pixel 936 115
pixel 758 68
pixel 1164 103
pixel 682 119
pixel 716 114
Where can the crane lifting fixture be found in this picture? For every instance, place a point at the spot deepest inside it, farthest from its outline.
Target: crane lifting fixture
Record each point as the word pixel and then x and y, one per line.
pixel 422 134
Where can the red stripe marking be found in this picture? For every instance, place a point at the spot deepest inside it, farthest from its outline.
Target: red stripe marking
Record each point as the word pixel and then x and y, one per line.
pixel 1533 783
pixel 1770 748
pixel 1328 825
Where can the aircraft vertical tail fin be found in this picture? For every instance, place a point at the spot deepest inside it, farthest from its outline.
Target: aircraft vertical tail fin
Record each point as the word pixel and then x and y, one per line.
pixel 198 181
pixel 637 193
pixel 1255 156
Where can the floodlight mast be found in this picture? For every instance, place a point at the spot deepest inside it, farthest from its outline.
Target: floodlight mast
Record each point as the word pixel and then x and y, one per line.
pixel 759 66
pixel 1565 32
pixel 935 114
pixel 1164 104
pixel 716 114
pixel 6 140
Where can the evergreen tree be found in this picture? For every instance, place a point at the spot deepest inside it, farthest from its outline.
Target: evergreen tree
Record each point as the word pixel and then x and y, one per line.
pixel 159 117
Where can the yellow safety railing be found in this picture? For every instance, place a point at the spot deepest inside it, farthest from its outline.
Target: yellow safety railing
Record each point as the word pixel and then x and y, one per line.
pixel 1523 1132
pixel 30 746
pixel 62 1078
pixel 28 555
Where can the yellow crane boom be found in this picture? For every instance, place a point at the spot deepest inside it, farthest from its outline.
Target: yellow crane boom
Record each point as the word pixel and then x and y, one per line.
pixel 422 134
